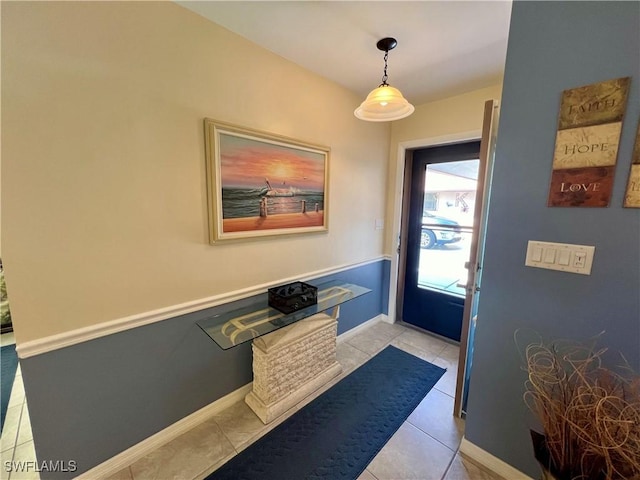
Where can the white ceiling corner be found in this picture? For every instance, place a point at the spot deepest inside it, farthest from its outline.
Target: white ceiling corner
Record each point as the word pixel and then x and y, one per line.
pixel 444 47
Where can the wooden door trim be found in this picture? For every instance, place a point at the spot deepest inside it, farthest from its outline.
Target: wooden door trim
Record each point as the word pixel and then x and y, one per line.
pixel 485 144
pixel 404 233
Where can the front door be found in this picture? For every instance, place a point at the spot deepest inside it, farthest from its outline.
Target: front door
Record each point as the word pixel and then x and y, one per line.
pixel 440 233
pixel 469 317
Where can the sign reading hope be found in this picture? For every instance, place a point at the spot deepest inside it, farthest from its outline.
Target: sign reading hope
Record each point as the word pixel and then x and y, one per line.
pixel 587 140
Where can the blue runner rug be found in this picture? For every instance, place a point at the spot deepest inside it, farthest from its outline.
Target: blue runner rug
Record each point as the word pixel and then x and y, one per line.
pixel 8 366
pixel 338 434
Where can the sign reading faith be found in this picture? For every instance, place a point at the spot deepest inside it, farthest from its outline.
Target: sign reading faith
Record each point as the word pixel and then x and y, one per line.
pixel 632 197
pixel 586 150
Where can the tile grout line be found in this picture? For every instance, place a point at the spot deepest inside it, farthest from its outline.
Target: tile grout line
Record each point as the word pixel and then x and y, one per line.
pixel 387 339
pixel 369 472
pixel 434 438
pixel 15 440
pixel 265 432
pixel 446 472
pixel 453 452
pixel 359 349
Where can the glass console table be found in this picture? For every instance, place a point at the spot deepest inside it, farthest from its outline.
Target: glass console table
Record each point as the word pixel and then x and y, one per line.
pixel 244 324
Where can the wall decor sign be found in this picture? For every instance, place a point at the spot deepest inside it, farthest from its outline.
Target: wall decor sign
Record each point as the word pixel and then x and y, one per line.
pixel 586 148
pixel 260 184
pixel 632 196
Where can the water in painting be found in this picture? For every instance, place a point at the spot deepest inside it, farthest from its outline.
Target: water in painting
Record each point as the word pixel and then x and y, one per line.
pixel 253 171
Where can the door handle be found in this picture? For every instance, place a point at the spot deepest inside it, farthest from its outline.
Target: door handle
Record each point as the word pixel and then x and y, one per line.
pixel 467 265
pixel 463 285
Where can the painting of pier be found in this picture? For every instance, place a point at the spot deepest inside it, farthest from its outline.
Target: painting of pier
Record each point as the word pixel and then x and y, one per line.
pixel 262 184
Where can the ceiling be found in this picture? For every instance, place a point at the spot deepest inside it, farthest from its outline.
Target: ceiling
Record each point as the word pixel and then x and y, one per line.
pixel 444 47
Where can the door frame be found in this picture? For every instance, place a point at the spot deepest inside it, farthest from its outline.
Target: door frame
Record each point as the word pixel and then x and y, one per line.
pixel 410 293
pixel 399 214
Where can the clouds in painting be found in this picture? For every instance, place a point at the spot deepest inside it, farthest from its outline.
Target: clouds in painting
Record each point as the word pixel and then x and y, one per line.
pixel 245 162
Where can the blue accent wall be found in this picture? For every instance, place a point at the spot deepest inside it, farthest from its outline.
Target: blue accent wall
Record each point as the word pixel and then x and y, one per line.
pixel 553 46
pixel 386 281
pixel 93 400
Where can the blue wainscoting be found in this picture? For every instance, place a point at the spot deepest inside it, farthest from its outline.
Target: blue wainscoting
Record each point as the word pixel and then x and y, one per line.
pixel 90 401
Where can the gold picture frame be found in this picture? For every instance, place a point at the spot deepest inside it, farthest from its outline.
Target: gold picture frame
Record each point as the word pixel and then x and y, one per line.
pixel 261 184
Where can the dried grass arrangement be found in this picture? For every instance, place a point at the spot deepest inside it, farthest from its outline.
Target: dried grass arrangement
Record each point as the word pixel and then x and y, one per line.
pixel 590 414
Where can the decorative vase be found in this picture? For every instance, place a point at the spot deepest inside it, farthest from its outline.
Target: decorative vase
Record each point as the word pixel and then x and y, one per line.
pixel 541 454
pixel 547 475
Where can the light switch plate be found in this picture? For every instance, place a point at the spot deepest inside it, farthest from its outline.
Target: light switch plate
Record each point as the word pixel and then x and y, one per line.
pixel 564 257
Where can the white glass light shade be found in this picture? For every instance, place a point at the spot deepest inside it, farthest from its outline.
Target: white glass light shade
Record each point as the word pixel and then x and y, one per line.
pixel 384 104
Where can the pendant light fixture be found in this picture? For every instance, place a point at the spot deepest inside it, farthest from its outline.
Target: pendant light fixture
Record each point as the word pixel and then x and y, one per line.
pixel 384 103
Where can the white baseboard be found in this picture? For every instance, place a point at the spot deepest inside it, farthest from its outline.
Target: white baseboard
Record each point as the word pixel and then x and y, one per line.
pixel 73 337
pixel 491 462
pixel 148 445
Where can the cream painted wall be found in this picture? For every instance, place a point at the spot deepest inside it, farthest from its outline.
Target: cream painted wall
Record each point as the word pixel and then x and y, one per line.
pixel 103 182
pixel 443 119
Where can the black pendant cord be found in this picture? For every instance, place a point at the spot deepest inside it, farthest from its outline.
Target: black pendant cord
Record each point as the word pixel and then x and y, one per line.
pixel 385 45
pixel 385 76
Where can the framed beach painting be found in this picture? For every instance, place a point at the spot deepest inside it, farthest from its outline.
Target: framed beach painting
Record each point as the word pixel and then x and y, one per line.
pixel 261 184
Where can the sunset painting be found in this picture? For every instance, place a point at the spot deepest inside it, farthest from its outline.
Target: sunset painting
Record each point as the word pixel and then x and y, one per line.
pixel 265 184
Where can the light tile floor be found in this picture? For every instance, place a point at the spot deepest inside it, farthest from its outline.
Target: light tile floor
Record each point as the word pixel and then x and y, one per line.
pixel 16 441
pixel 425 447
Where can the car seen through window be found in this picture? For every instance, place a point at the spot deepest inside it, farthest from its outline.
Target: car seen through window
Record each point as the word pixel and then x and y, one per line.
pixel 437 230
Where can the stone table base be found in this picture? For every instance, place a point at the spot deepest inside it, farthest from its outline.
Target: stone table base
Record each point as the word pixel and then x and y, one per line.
pixel 291 363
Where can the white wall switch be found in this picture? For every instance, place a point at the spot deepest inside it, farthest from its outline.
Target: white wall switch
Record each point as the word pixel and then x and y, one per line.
pixel 564 257
pixel 536 254
pixel 549 255
pixel 379 225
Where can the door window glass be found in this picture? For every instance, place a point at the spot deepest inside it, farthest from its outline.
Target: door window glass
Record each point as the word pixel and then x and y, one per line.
pixel 430 201
pixel 447 225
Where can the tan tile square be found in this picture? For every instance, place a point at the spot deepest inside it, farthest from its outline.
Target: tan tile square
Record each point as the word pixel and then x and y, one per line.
pixel 464 469
pixel 447 382
pixel 203 448
pixel 435 416
pixel 411 455
pixel 418 352
pixel 350 357
pixel 17 392
pixel 5 456
pixel 240 424
pixel 10 428
pixel 432 346
pixel 366 475
pixel 451 353
pixel 375 337
pixel 386 330
pixel 369 343
pixel 24 431
pixel 25 453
